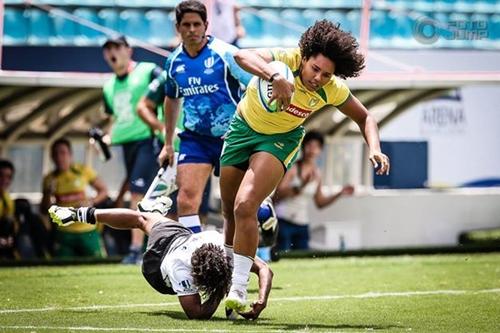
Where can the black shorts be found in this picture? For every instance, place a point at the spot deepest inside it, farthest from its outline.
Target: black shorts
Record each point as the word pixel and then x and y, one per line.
pixel 160 239
pixel 140 163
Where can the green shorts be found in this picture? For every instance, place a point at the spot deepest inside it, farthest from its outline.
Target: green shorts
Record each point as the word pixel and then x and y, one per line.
pixel 79 244
pixel 241 142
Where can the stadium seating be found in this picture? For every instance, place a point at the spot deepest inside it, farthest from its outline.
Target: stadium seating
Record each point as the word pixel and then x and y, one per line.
pixel 404 31
pixel 268 22
pixel 381 25
pixel 65 30
pixel 294 16
pixel 15 27
pixel 41 27
pixel 107 3
pixel 253 25
pixel 494 29
pixel 311 16
pixel 133 24
pixel 87 35
pixel 354 19
pixel 337 16
pixel 109 18
pixel 271 23
pixel 162 26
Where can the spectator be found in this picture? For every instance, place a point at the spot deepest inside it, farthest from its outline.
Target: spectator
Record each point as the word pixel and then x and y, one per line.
pixel 33 238
pixel 224 16
pixel 121 96
pixel 8 223
pixel 299 185
pixel 66 186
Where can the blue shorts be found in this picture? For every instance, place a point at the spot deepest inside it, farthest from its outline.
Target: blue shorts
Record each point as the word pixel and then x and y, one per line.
pixel 141 164
pixel 292 236
pixel 195 148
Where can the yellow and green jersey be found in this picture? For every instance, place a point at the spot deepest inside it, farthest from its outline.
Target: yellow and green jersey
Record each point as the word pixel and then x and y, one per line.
pixel 6 205
pixel 69 189
pixel 303 103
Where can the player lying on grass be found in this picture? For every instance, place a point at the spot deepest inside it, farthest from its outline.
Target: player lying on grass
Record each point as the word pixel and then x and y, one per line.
pixel 194 267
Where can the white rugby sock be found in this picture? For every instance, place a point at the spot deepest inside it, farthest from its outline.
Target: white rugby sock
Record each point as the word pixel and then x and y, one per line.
pixel 192 222
pixel 241 271
pixel 228 249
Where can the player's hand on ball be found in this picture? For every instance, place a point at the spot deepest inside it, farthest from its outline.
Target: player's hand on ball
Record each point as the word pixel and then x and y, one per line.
pixel 282 92
pixel 380 159
pixel 256 309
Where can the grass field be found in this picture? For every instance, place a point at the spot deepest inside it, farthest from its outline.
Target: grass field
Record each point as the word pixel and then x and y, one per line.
pixel 441 293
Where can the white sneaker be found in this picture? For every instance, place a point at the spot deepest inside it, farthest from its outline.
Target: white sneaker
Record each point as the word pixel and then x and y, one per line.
pixel 62 216
pixel 159 205
pixel 236 300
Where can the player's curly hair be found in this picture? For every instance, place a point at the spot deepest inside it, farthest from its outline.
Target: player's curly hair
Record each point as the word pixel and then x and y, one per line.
pixel 211 271
pixel 337 45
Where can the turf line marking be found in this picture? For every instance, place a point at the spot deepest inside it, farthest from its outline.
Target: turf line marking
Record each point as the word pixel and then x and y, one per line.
pixel 114 329
pixel 277 299
pixel 386 294
pixel 133 329
pixel 89 307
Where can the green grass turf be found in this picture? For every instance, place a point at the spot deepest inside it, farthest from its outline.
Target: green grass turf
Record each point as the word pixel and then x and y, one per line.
pixel 83 286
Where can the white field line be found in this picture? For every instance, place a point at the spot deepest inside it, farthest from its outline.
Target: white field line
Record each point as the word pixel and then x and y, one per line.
pixel 89 307
pixel 277 299
pixel 386 294
pixel 122 329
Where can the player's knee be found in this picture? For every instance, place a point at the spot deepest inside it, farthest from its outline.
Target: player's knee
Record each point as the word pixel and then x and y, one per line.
pixel 244 209
pixel 188 200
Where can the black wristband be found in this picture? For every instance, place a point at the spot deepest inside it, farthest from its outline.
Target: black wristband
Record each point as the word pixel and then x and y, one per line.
pixel 86 215
pixel 271 79
pixel 90 215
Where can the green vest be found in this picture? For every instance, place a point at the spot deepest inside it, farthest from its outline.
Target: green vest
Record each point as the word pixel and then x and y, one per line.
pixel 156 94
pixel 123 96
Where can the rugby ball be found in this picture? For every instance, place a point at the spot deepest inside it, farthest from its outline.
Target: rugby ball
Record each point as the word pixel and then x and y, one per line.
pixel 265 88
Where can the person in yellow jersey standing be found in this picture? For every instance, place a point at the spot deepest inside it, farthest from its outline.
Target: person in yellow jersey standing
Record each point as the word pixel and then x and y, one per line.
pixel 260 145
pixel 66 186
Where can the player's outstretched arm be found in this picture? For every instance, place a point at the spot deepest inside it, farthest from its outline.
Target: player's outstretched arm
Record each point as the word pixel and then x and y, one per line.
pixel 194 309
pixel 265 275
pixel 355 110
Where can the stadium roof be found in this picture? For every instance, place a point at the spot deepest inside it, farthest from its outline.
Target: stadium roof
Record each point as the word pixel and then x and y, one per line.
pixel 42 106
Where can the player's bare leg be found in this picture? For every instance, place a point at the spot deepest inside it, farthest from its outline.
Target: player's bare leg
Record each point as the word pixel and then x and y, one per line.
pixel 191 180
pixel 261 178
pixel 137 236
pixel 118 218
pixel 229 184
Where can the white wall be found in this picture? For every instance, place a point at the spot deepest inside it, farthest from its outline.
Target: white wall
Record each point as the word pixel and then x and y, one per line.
pixel 404 218
pixel 463 146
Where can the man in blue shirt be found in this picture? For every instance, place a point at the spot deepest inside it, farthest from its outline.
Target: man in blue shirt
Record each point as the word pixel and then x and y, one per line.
pixel 203 72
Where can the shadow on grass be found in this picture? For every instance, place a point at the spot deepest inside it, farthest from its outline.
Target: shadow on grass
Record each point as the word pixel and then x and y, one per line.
pixel 256 291
pixel 276 325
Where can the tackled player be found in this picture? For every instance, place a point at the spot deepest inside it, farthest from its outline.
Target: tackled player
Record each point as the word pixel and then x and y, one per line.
pixel 176 262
